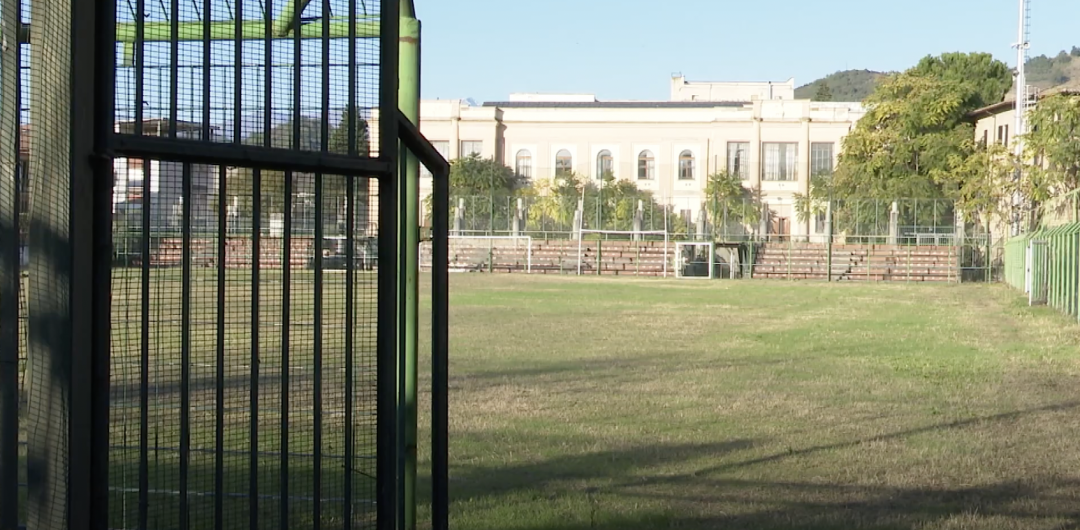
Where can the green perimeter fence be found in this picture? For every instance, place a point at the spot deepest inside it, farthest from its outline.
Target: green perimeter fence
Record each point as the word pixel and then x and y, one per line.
pixel 1045 265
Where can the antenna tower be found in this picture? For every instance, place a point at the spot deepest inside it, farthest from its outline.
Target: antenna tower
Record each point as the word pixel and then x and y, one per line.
pixel 1024 100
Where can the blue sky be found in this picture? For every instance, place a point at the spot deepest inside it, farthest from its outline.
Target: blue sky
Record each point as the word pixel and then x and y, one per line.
pixel 628 49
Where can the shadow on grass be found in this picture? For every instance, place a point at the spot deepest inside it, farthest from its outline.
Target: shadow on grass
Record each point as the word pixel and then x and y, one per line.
pixel 564 371
pixel 639 488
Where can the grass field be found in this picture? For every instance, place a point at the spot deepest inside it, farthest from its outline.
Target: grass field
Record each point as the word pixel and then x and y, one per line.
pixel 598 403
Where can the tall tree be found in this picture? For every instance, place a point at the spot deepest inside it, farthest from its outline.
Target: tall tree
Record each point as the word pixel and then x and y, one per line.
pixel 916 128
pixel 339 137
pixel 731 206
pixel 1053 148
pixel 986 80
pixel 823 92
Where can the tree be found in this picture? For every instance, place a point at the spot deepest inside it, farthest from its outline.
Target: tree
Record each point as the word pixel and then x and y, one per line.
pixel 488 189
pixel 473 175
pixel 823 92
pixel 339 137
pixel 916 127
pixel 986 80
pixel 979 179
pixel 1053 148
pixel 730 205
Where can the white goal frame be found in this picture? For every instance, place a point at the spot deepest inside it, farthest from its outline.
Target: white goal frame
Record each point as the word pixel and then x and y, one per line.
pixel 679 263
pixel 581 242
pixel 526 241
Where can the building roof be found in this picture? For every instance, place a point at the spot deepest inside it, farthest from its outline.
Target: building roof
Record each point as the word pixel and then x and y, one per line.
pixel 616 104
pixel 1009 102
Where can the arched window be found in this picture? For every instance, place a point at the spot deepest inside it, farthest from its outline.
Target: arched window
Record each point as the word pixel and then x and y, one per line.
pixel 686 165
pixel 604 164
pixel 564 163
pixel 523 164
pixel 646 166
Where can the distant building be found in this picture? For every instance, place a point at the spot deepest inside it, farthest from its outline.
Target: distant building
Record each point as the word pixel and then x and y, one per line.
pixel 756 130
pixel 166 182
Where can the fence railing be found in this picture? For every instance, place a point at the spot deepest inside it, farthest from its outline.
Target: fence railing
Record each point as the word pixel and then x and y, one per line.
pixel 703 218
pixel 1045 266
pixel 946 259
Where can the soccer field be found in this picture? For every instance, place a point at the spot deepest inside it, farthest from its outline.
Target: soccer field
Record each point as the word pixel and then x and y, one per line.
pixel 582 403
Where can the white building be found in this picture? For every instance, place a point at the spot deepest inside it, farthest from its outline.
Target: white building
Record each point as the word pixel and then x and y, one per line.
pixel 166 183
pixel 757 130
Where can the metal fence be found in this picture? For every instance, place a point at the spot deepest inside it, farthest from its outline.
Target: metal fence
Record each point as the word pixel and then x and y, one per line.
pixel 918 221
pixel 211 325
pixel 857 239
pixel 1045 266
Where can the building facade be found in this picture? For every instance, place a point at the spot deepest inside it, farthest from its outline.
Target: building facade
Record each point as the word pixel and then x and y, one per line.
pixel 756 130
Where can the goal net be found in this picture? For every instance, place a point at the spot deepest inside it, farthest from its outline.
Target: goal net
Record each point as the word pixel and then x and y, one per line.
pixel 628 252
pixel 695 259
pixel 485 254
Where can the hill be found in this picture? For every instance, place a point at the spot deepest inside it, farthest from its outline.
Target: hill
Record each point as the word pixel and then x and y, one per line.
pixel 846 85
pixel 855 85
pixel 1046 72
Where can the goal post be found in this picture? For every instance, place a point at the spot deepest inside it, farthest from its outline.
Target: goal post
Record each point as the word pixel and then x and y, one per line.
pixel 694 257
pixel 481 253
pixel 640 236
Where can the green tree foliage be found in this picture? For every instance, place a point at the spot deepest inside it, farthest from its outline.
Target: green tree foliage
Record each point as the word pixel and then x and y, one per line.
pixel 979 179
pixel 473 175
pixel 915 141
pixel 339 136
pixel 823 92
pixel 985 79
pixel 1053 145
pixel 732 208
pixel 916 127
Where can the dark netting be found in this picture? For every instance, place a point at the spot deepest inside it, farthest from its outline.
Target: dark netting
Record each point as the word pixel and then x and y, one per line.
pixel 244 301
pixel 14 153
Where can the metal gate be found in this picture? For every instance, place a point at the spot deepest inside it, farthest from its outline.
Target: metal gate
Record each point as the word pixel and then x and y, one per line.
pixel 217 326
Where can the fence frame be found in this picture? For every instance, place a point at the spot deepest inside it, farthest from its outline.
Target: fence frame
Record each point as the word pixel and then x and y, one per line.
pixel 71 274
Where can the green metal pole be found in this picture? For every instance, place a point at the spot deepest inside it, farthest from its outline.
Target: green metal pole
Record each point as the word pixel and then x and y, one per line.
pixel 599 255
pixel 750 264
pixel 829 239
pixel 409 192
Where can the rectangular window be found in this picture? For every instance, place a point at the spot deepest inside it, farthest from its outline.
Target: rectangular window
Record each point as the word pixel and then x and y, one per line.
pixel 819 223
pixel 781 161
pixel 443 147
pixel 986 138
pixel 471 147
pixel 738 159
pixel 821 158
